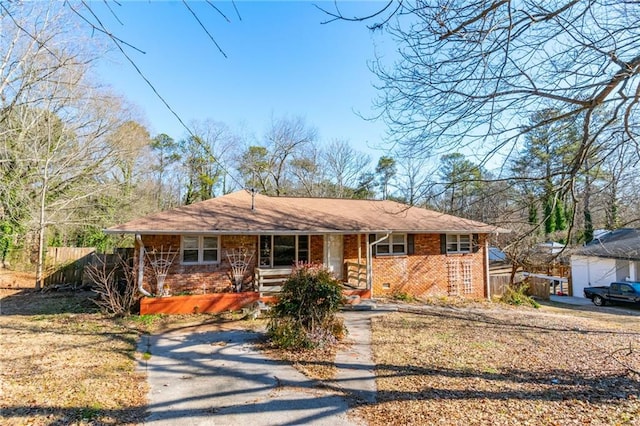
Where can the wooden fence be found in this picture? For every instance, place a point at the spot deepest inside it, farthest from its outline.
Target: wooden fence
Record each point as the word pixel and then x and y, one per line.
pixel 538 287
pixel 66 265
pixel 498 284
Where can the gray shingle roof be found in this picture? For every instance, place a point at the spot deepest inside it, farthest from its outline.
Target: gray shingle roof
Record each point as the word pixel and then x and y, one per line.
pixel 620 244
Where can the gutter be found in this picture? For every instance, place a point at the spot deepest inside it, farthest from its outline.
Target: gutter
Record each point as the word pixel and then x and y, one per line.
pixel 487 273
pixel 370 261
pixel 296 232
pixel 141 266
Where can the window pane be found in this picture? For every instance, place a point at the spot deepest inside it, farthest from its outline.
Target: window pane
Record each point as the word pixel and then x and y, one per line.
pixel 382 248
pixel 210 242
pixel 303 248
pixel 465 243
pixel 265 250
pixel 210 255
pixel 452 247
pixel 190 243
pixel 303 242
pixel 190 256
pixel 385 241
pixel 398 238
pixel 284 250
pixel 303 256
pixel 398 248
pixel 452 239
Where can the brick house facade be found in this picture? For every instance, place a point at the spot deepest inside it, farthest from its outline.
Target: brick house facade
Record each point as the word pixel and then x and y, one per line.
pixel 425 272
pixel 409 250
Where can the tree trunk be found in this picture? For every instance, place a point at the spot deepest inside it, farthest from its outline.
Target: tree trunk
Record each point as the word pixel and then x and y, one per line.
pixel 41 233
pixel 588 220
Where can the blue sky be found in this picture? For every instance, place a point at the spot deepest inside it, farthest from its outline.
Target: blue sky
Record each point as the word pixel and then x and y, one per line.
pixel 281 62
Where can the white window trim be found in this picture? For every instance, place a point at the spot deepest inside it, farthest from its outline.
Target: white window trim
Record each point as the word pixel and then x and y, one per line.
pixel 389 243
pixel 200 250
pixel 297 246
pixel 458 251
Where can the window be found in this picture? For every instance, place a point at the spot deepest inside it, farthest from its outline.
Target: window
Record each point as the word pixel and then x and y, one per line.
pixel 393 244
pixel 459 243
pixel 200 249
pixel 283 250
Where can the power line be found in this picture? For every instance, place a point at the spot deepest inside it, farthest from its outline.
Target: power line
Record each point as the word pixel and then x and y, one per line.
pixel 119 42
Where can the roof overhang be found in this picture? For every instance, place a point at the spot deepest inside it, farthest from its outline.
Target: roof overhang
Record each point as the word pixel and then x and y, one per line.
pixel 301 232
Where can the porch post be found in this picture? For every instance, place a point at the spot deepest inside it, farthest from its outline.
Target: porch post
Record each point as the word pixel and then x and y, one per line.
pixel 141 266
pixel 370 261
pixel 369 270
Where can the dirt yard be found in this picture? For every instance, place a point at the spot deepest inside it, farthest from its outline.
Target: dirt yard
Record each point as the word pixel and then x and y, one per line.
pixel 502 366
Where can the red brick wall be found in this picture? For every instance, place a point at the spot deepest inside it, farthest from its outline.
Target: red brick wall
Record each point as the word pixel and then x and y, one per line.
pixel 424 273
pixel 317 249
pixel 198 279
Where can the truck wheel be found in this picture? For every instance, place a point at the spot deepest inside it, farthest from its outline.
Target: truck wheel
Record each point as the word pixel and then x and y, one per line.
pixel 598 301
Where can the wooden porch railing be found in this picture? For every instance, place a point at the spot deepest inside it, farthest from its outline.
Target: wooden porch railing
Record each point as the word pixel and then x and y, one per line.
pixel 271 280
pixel 357 274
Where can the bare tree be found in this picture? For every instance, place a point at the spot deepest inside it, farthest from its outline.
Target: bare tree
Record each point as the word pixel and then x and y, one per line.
pixel 54 123
pixel 130 142
pixel 307 173
pixel 415 183
pixel 267 167
pixel 471 73
pixel 203 156
pixel 344 166
pixel 166 155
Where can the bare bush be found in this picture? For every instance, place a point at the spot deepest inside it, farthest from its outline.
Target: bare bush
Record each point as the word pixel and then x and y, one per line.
pixel 114 284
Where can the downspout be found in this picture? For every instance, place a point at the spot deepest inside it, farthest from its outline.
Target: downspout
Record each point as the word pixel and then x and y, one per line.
pixel 370 262
pixel 487 275
pixel 141 266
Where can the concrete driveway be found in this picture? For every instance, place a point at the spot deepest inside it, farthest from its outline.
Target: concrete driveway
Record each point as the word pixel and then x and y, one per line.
pixel 219 378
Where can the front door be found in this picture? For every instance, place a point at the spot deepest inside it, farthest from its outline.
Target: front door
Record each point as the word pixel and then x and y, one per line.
pixel 333 254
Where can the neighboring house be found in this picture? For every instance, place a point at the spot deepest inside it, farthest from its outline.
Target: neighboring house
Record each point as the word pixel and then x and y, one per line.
pixel 614 256
pixel 382 246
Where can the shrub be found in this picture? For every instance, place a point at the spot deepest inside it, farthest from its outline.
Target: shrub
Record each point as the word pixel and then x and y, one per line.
pixel 404 297
pixel 115 285
pixel 517 295
pixel 304 316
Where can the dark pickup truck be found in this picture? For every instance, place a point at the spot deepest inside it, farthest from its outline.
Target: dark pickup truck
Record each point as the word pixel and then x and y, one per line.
pixel 625 292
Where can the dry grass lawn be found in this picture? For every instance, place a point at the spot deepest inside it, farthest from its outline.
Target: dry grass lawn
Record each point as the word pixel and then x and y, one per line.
pixel 481 364
pixel 63 363
pixel 504 366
